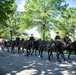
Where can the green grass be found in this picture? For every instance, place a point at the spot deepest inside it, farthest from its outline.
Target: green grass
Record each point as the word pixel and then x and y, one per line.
pixel 65 52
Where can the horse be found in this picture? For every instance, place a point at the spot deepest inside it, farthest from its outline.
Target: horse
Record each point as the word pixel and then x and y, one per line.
pixel 71 47
pixel 36 46
pixel 28 45
pixel 58 47
pixel 41 47
pixel 21 45
pixel 9 45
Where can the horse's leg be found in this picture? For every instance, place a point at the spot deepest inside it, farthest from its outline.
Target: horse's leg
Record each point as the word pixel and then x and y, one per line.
pixel 2 47
pixel 75 53
pixel 49 54
pixel 35 51
pixel 27 52
pixel 11 49
pixel 69 54
pixel 18 50
pixel 7 49
pixel 57 53
pixel 23 50
pixel 62 54
pixel 41 53
pixel 32 51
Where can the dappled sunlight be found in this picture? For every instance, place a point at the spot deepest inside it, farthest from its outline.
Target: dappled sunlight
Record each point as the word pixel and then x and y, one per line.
pixel 40 63
pixel 8 74
pixel 65 65
pixel 14 64
pixel 43 72
pixel 40 54
pixel 66 72
pixel 27 72
pixel 14 72
pixel 74 62
pixel 25 66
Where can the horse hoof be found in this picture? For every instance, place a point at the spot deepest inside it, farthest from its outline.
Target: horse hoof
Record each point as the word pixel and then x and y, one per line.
pixel 41 56
pixel 36 54
pixel 30 54
pixel 68 57
pixel 50 60
pixel 13 52
pixel 64 59
pixel 59 61
pixel 27 55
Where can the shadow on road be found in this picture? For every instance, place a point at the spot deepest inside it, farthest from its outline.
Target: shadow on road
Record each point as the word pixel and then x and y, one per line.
pixel 14 64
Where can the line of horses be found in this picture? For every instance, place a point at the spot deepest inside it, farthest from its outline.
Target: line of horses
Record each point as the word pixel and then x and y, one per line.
pixel 57 46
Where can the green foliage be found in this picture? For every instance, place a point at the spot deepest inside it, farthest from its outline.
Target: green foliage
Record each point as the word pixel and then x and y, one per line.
pixel 7 7
pixel 66 22
pixel 41 13
pixel 46 15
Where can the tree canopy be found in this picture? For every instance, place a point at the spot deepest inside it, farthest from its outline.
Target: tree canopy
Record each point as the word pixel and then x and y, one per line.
pixel 41 13
pixel 66 21
pixel 7 7
pixel 46 15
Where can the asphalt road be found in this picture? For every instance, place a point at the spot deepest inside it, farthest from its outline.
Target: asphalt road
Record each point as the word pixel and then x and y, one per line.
pixel 15 64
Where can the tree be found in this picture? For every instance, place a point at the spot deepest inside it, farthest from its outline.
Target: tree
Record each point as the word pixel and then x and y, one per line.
pixel 6 8
pixel 41 13
pixel 66 21
pixel 15 24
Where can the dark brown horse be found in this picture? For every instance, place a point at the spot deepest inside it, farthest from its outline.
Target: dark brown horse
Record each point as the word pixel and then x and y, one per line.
pixel 35 46
pixel 9 45
pixel 71 48
pixel 58 47
pixel 28 45
pixel 41 47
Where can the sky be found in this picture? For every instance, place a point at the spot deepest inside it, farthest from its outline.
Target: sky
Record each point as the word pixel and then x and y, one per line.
pixel 20 3
pixel 72 3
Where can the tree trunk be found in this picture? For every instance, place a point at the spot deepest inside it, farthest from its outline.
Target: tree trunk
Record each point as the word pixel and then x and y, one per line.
pixel 43 32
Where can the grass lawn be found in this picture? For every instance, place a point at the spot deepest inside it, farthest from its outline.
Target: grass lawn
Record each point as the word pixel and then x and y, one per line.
pixel 65 52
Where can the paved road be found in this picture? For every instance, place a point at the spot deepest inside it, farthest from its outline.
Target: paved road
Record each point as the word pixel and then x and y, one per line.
pixel 15 64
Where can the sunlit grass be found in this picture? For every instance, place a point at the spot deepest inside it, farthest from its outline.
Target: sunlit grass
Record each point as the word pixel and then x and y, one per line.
pixel 66 52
